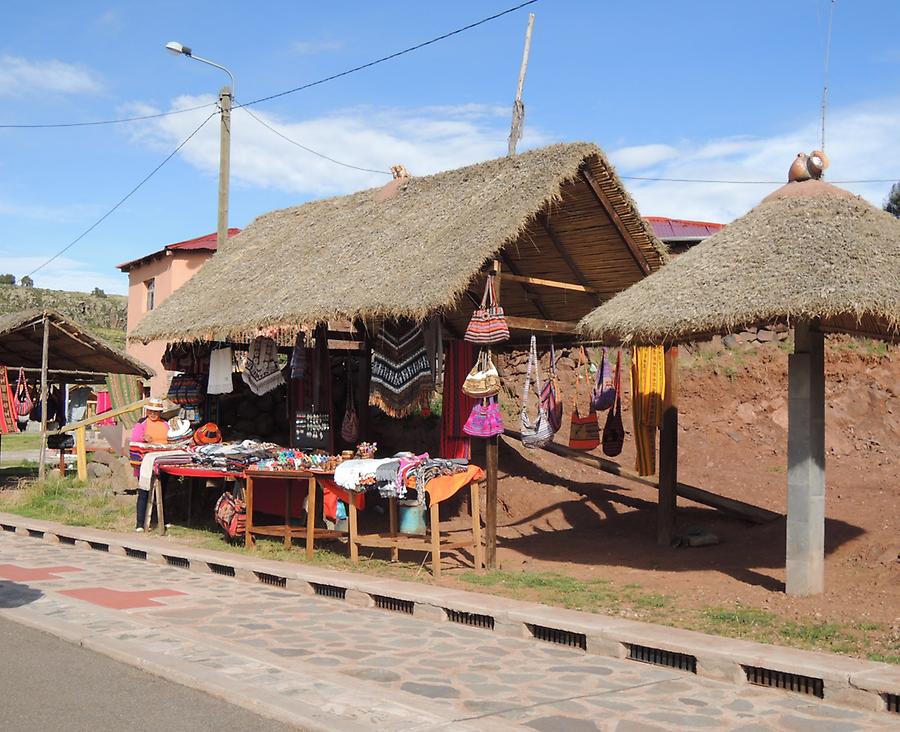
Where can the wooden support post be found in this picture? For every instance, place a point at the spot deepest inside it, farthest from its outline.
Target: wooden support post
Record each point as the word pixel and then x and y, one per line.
pixel 435 540
pixel 805 565
pixel 393 518
pixel 362 390
pixel 354 530
pixel 492 467
pixel 81 454
pixel 310 517
pixel 45 355
pixel 475 500
pixel 668 453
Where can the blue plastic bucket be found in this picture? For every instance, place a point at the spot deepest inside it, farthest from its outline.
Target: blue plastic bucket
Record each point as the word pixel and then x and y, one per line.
pixel 412 517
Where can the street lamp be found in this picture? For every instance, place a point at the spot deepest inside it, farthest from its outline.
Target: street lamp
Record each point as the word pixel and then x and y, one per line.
pixel 226 97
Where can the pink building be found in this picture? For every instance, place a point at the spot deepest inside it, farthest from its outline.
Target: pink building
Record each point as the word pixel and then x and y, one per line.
pixel 151 279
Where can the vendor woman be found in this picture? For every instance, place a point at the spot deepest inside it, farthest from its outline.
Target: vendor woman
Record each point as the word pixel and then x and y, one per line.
pixel 151 429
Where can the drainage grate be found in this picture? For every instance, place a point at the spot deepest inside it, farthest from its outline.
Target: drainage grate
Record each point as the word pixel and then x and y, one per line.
pixel 222 569
pixel 782 680
pixel 394 603
pixel 66 540
pixel 560 637
pixel 269 579
pixel 473 619
pixel 891 702
pixel 135 553
pixel 35 534
pixel 99 546
pixel 7 527
pixel 339 593
pixel 178 562
pixel 659 657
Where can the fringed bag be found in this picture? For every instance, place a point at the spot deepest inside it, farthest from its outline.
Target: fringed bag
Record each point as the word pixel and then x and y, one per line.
pixel 485 419
pixel 350 425
pixel 488 323
pixel 603 395
pixel 539 432
pixel 614 429
pixel 484 379
pixel 23 402
pixel 549 395
pixel 584 431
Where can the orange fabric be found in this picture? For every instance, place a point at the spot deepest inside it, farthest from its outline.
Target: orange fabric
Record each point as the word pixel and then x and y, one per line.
pixel 329 486
pixel 156 432
pixel 445 486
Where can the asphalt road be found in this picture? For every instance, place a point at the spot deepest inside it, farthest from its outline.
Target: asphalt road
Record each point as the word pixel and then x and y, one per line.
pixel 49 684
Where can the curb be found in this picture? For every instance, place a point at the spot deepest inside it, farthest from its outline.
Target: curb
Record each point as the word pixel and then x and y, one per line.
pixel 834 679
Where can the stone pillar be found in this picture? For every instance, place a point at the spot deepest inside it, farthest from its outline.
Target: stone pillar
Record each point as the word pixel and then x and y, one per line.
pixel 805 567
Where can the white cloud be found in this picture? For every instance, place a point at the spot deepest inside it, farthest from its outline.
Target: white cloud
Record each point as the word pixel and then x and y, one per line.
pixel 310 48
pixel 861 142
pixel 111 20
pixel 425 140
pixel 69 213
pixel 19 77
pixel 65 274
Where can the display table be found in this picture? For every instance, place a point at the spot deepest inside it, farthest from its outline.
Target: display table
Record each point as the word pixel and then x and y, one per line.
pixel 181 471
pixel 257 479
pixel 438 489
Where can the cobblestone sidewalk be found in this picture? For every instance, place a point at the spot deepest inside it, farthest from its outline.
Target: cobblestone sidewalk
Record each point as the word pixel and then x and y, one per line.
pixel 326 665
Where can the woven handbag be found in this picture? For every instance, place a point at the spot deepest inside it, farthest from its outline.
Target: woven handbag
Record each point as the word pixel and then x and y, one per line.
pixel 614 430
pixel 22 403
pixel 584 431
pixel 484 379
pixel 485 419
pixel 539 432
pixel 350 424
pixel 550 400
pixel 488 323
pixel 603 395
pixel 185 389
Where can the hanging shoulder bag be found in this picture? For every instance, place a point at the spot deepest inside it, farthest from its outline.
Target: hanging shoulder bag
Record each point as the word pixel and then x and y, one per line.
pixel 549 395
pixel 484 379
pixel 584 431
pixel 488 323
pixel 485 419
pixel 23 401
pixel 614 430
pixel 539 432
pixel 185 389
pixel 603 395
pixel 350 425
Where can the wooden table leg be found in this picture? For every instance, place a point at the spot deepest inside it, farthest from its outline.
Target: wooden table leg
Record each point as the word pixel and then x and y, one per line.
pixel 287 514
pixel 190 500
pixel 248 501
pixel 160 512
pixel 310 516
pixel 151 499
pixel 435 540
pixel 475 500
pixel 392 514
pixel 354 547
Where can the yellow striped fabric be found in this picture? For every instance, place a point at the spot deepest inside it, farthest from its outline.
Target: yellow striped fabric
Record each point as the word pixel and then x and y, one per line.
pixel 648 385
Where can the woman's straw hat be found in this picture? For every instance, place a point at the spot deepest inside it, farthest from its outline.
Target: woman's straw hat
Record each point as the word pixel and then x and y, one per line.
pixel 154 405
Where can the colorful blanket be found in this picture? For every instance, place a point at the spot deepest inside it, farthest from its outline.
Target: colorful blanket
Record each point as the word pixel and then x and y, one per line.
pixel 7 413
pixel 402 379
pixel 125 390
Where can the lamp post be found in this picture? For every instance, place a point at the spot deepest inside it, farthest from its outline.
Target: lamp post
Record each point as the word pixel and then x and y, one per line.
pixel 226 97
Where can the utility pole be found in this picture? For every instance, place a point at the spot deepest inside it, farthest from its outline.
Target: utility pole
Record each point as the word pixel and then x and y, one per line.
pixel 518 113
pixel 225 99
pixel 45 353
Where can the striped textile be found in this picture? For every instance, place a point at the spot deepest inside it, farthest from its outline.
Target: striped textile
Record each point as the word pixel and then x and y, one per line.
pixel 125 390
pixel 648 385
pixel 7 413
pixel 402 380
pixel 455 405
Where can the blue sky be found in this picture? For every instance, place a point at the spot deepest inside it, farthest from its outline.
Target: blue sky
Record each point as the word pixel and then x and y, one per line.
pixel 701 89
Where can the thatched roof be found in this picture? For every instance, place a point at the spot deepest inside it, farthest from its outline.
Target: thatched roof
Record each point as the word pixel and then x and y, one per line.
pixel 419 251
pixel 809 250
pixel 71 348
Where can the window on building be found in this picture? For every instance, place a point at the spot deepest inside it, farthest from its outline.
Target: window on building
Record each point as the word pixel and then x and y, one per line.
pixel 151 293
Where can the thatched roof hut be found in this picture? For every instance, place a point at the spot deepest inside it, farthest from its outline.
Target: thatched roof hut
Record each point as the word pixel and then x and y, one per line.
pixel 809 250
pixel 557 213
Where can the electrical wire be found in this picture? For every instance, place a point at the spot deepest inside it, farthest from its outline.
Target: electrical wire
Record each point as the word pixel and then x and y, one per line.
pixel 310 150
pixel 123 199
pixel 278 94
pixel 825 73
pixel 744 182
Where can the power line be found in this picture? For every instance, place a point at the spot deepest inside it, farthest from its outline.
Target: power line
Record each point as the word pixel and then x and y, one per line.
pixel 825 74
pixel 97 123
pixel 745 182
pixel 310 150
pixel 278 94
pixel 123 199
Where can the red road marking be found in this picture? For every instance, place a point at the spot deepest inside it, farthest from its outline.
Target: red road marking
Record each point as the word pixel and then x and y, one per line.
pixel 120 599
pixel 31 574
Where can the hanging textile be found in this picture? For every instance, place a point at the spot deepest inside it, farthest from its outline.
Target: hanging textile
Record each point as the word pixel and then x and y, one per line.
pixel 401 375
pixel 221 364
pixel 648 385
pixel 7 412
pixel 125 390
pixel 261 372
pixel 299 358
pixel 104 404
pixel 434 345
pixel 456 406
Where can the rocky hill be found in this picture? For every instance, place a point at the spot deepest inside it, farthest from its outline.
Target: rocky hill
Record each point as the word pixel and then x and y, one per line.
pixel 104 315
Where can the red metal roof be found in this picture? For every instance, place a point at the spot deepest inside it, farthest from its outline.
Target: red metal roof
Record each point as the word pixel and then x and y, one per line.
pixel 668 229
pixel 201 243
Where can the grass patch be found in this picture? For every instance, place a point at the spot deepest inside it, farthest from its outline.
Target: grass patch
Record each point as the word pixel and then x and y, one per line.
pixel 739 617
pixel 21 441
pixel 69 501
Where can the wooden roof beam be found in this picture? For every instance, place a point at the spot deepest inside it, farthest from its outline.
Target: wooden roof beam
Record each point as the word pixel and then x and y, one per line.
pixel 544 221
pixel 635 250
pixel 530 293
pixel 550 283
